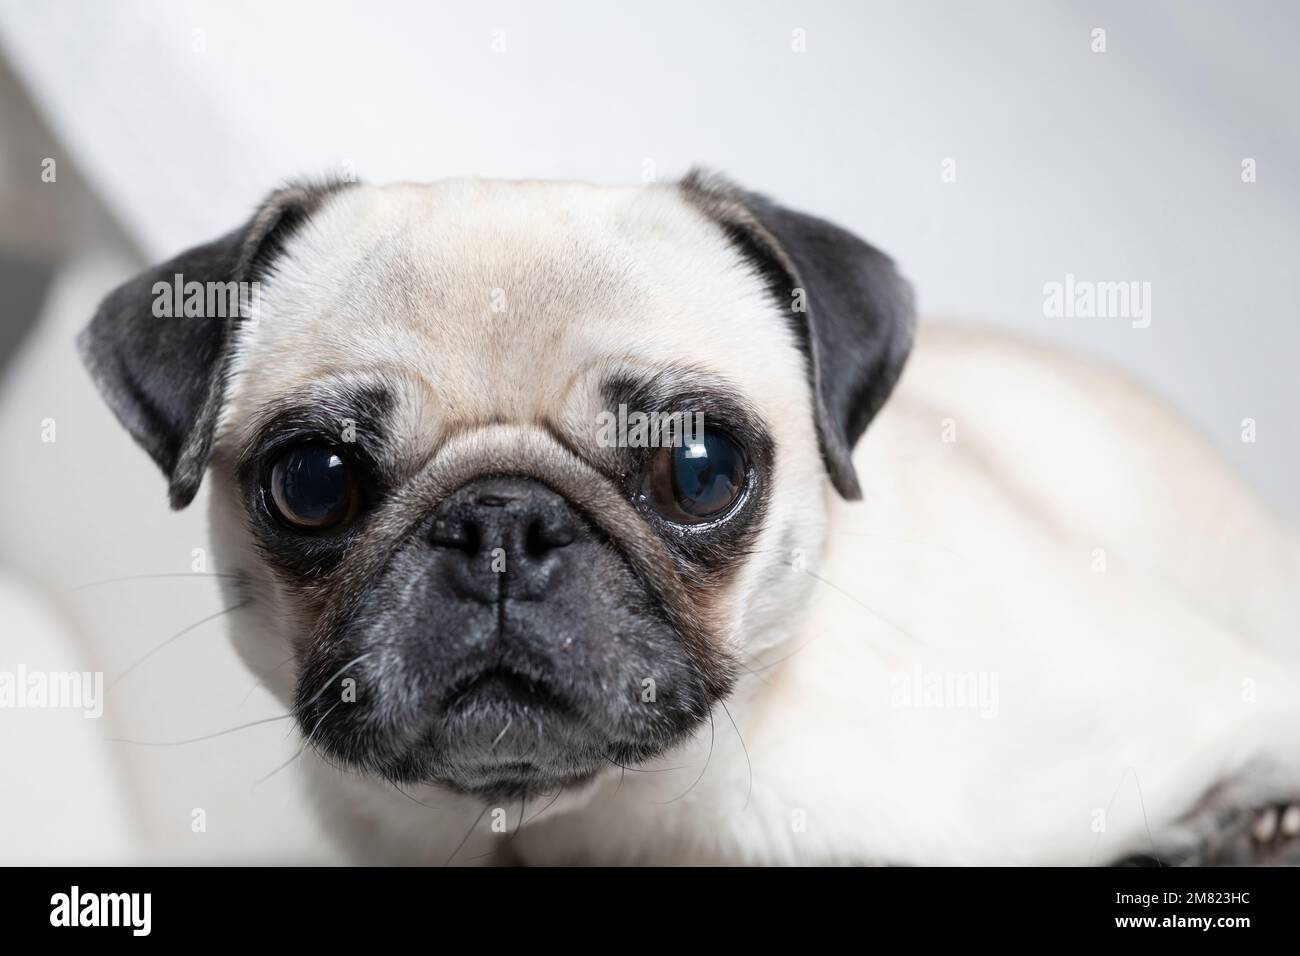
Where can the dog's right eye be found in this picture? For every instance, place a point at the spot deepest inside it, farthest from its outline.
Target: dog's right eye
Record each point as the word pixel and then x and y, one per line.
pixel 312 488
pixel 695 482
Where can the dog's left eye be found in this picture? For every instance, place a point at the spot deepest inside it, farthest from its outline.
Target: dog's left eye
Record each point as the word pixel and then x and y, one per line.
pixel 696 481
pixel 312 488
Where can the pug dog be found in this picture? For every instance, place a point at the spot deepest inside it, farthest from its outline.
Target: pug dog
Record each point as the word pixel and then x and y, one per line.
pixel 1025 617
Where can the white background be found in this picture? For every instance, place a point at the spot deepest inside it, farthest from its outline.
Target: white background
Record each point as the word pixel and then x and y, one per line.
pixel 172 120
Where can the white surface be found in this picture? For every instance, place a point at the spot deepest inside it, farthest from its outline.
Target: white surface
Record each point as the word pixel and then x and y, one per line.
pixel 62 799
pixel 79 513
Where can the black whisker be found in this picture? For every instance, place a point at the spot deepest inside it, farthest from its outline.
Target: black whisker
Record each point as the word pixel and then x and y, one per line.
pixel 147 577
pixel 749 764
pixel 523 804
pixel 707 761
pixel 261 780
pixel 544 809
pixel 465 839
pixel 261 681
pixel 326 686
pixel 194 740
pixel 640 769
pixel 835 587
pixel 301 750
pixel 866 607
pixel 413 799
pixel 179 634
pixel 770 664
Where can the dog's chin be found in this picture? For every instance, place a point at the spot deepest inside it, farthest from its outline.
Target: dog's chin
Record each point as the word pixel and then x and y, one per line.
pixel 497 736
pixel 502 735
pixel 508 781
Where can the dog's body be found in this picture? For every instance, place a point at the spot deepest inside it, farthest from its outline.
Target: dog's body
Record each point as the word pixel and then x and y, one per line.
pixel 1053 630
pixel 1130 687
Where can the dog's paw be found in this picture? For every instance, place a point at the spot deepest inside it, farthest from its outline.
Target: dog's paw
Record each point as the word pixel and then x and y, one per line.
pixel 1219 835
pixel 1264 836
pixel 1275 836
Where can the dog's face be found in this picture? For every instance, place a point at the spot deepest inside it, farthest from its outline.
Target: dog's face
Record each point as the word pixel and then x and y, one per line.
pixel 514 474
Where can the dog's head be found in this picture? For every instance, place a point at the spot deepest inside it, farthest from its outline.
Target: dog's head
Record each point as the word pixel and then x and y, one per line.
pixel 514 473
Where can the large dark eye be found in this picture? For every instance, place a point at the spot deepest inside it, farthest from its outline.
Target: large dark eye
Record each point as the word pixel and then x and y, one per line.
pixel 313 488
pixel 695 481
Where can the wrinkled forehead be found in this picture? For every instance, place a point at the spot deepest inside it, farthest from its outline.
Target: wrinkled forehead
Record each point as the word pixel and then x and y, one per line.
pixel 503 301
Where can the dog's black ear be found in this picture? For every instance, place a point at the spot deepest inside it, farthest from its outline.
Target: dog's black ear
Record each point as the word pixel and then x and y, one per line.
pixel 852 313
pixel 161 367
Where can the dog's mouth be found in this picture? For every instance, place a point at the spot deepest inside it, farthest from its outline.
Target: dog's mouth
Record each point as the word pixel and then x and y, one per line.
pixel 503 690
pixel 503 732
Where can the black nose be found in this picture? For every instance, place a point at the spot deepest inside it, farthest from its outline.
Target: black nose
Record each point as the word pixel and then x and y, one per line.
pixel 505 537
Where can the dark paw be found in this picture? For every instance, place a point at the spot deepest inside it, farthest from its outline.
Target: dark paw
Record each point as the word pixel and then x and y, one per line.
pixel 1275 836
pixel 1267 836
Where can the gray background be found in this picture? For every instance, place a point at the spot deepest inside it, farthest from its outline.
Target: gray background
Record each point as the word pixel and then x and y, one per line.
pixel 169 121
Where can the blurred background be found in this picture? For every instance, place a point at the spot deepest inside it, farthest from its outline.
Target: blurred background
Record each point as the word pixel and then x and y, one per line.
pixel 991 148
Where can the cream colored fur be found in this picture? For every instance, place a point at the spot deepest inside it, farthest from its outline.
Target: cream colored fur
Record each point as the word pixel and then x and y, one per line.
pixel 1030 520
